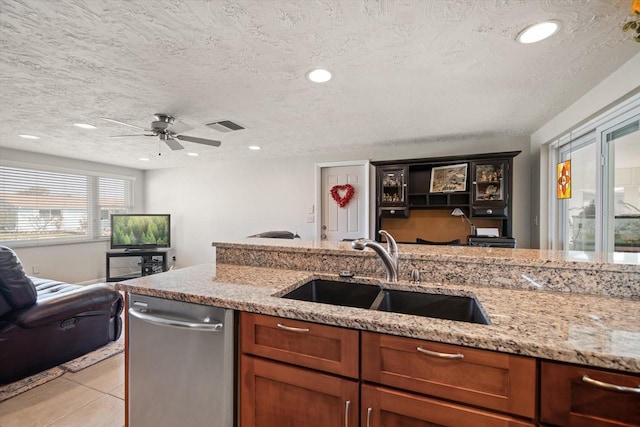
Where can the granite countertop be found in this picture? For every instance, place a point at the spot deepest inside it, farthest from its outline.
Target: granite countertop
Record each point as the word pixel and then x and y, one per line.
pixel 617 261
pixel 584 329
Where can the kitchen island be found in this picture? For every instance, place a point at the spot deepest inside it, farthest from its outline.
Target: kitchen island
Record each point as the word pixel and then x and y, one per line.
pixel 565 325
pixel 540 305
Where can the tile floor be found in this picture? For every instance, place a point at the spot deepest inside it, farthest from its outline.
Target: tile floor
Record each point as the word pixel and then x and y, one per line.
pixel 92 397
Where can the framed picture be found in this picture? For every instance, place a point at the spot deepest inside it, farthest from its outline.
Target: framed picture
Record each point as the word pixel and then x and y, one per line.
pixel 445 179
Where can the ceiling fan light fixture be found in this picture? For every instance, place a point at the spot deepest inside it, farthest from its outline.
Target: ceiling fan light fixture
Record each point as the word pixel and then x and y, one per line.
pixel 84 126
pixel 29 136
pixel 319 75
pixel 538 32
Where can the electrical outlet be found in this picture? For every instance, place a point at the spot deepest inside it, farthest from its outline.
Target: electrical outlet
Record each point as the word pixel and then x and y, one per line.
pixel 35 269
pixel 311 218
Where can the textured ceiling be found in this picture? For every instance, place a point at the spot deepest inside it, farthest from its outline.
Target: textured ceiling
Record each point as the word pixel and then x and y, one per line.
pixel 405 71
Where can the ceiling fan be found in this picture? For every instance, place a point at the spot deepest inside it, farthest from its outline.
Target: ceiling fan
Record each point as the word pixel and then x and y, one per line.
pixel 168 130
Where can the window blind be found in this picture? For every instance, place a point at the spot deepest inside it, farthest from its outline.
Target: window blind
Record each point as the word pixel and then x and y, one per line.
pixel 38 205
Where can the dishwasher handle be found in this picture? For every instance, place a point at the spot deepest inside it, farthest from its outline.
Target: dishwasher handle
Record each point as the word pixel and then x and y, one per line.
pixel 183 324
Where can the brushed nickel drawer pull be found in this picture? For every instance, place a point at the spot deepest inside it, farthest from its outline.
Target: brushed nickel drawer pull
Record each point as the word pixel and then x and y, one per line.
pixel 441 355
pixel 291 328
pixel 369 416
pixel 346 413
pixel 609 386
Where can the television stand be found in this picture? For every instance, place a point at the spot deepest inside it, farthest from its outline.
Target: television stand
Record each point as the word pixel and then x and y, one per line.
pixel 127 264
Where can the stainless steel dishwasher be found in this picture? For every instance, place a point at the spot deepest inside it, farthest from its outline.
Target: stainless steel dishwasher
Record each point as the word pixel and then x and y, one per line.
pixel 180 364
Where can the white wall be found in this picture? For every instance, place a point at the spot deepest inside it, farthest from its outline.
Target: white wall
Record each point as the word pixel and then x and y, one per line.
pixel 620 85
pixel 78 262
pixel 229 200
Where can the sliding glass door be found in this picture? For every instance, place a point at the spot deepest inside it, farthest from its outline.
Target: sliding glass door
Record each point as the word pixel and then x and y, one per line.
pixel 578 212
pixel 601 219
pixel 621 185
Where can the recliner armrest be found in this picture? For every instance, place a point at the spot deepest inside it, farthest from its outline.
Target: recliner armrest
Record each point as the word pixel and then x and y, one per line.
pixel 88 300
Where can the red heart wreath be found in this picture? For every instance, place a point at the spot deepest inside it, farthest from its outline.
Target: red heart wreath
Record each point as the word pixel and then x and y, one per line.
pixel 342 201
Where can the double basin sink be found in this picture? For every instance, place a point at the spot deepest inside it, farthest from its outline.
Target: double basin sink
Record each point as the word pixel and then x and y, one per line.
pixel 349 294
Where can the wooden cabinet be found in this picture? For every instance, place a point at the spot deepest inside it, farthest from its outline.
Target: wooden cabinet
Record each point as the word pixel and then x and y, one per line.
pixel 490 188
pixel 578 396
pixel 311 345
pixel 386 407
pixel 479 184
pixel 393 191
pixel 306 382
pixel 302 373
pixel 496 381
pixel 274 394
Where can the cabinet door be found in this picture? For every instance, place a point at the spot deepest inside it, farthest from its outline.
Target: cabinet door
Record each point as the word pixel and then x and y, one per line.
pixel 489 183
pixel 488 379
pixel 322 347
pixel 385 407
pixel 273 394
pixel 567 398
pixel 392 185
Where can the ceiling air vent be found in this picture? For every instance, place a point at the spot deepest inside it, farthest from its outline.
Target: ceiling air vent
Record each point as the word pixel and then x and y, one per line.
pixel 225 126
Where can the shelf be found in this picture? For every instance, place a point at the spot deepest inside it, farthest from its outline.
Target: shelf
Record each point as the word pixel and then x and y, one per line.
pixel 119 278
pixel 123 265
pixel 487 195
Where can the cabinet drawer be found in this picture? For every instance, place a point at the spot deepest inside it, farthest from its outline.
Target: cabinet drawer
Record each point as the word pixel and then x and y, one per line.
pixel 490 212
pixel 492 380
pixel 325 348
pixel 399 212
pixel 384 407
pixel 568 400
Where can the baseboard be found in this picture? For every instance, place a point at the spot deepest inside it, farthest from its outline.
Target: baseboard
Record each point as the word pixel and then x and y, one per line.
pixel 91 282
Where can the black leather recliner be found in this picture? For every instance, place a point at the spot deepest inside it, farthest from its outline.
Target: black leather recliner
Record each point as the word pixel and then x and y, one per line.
pixel 44 323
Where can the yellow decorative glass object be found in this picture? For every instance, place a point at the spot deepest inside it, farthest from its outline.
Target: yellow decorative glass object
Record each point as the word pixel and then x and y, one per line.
pixel 635 7
pixel 564 180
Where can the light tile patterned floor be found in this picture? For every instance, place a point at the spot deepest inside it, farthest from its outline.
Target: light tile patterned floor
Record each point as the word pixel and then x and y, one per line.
pixel 92 397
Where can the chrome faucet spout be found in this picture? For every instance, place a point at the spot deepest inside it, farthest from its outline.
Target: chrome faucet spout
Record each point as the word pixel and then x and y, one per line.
pixel 392 246
pixel 389 258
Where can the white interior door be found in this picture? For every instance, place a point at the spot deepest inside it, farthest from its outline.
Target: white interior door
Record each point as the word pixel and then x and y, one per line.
pixel 350 221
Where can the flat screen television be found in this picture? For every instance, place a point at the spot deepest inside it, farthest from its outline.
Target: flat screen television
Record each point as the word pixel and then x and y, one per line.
pixel 140 231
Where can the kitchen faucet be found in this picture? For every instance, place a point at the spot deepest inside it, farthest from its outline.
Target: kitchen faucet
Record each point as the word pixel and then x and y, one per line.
pixel 389 256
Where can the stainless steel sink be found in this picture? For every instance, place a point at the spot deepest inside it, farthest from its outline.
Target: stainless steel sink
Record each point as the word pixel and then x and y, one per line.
pixel 349 294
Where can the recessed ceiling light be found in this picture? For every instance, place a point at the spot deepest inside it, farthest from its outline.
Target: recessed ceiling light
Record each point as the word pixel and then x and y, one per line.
pixel 143 159
pixel 538 32
pixel 193 154
pixel 29 137
pixel 255 147
pixel 84 126
pixel 319 75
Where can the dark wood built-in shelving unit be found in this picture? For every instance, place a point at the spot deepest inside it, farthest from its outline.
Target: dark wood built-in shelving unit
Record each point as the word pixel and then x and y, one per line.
pixel 404 186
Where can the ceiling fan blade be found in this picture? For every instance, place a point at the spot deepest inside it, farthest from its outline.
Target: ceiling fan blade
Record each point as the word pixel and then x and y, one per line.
pixel 123 123
pixel 204 141
pixel 136 134
pixel 180 127
pixel 173 144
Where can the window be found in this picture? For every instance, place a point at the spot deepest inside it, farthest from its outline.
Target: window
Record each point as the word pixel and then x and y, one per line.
pixel 47 206
pixel 602 218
